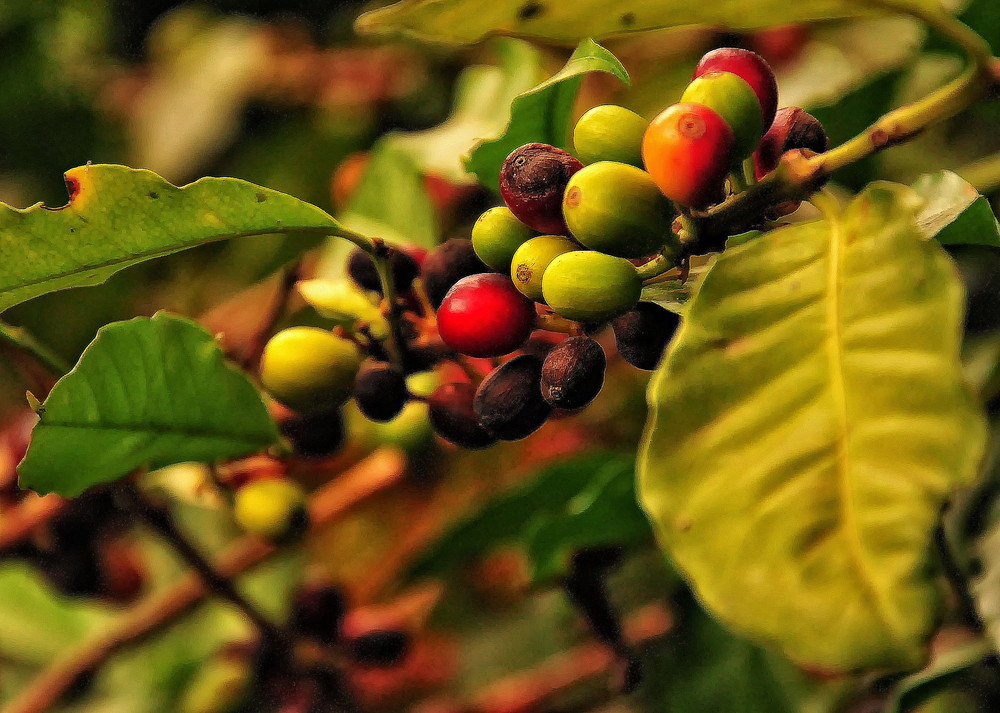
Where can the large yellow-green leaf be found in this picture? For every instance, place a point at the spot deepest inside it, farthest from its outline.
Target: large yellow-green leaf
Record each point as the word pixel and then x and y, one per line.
pixel 119 216
pixel 467 21
pixel 806 424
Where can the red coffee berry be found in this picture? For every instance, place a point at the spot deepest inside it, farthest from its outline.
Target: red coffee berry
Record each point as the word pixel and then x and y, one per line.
pixel 453 418
pixel 532 182
pixel 485 316
pixel 793 128
pixel 688 150
pixel 752 68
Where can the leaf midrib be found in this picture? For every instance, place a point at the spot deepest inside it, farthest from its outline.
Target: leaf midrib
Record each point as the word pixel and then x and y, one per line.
pixel 839 390
pixel 156 431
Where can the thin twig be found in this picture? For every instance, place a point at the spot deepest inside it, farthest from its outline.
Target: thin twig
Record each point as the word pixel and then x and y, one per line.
pixel 32 511
pixel 24 341
pixel 162 522
pixel 339 497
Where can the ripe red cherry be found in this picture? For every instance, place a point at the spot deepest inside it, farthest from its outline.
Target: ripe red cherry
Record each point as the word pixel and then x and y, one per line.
pixel 750 67
pixel 485 316
pixel 532 182
pixel 793 128
pixel 687 150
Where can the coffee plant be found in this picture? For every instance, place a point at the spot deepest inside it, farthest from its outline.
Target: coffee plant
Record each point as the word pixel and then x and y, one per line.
pixel 381 445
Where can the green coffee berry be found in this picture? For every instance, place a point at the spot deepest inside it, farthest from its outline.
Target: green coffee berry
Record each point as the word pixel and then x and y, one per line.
pixel 588 286
pixel 274 508
pixel 609 133
pixel 735 101
pixel 618 209
pixel 307 368
pixel 532 258
pixel 497 235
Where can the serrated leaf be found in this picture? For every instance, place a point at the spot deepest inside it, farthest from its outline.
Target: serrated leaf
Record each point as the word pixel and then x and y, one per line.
pixel 146 392
pixel 119 216
pixel 468 21
pixel 604 512
pixel 807 422
pixel 955 213
pixel 542 114
pixel 513 516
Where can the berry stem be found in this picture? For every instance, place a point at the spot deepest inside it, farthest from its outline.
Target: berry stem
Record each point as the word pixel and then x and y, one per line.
pixel 799 173
pixel 552 322
pixel 656 267
pixel 394 342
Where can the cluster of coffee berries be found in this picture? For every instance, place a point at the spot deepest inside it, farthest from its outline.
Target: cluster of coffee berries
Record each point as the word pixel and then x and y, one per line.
pixel 727 115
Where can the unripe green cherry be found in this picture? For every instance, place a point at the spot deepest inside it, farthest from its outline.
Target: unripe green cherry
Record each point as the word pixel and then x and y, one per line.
pixel 735 101
pixel 274 508
pixel 617 209
pixel 588 286
pixel 307 368
pixel 497 235
pixel 531 259
pixel 609 133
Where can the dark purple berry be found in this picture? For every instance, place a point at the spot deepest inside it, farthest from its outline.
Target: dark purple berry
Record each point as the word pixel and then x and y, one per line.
pixel 318 611
pixel 315 435
pixel 643 334
pixel 532 182
pixel 446 264
pixel 361 269
pixel 509 402
pixel 453 418
pixel 380 390
pixel 573 373
pixel 793 128
pixel 379 648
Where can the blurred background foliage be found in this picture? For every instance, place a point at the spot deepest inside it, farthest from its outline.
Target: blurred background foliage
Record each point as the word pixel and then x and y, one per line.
pixel 282 93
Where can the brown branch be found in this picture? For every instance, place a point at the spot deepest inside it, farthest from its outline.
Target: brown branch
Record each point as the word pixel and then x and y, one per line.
pixel 339 497
pixel 33 510
pixel 531 690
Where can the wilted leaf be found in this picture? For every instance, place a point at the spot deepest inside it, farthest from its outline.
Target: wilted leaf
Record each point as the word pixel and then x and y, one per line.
pixel 806 424
pixel 542 114
pixel 955 213
pixel 146 392
pixel 119 216
pixel 468 21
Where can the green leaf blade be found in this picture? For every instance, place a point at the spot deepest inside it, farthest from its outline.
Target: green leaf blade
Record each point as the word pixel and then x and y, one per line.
pixel 467 22
pixel 806 425
pixel 542 114
pixel 146 392
pixel 955 213
pixel 119 216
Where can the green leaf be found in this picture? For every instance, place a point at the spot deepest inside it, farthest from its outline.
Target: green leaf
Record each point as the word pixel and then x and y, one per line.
pixel 944 672
pixel 468 21
pixel 391 200
pixel 702 667
pixel 955 213
pixel 483 95
pixel 119 216
pixel 604 512
pixel 807 422
pixel 514 516
pixel 542 114
pixel 675 294
pixel 146 392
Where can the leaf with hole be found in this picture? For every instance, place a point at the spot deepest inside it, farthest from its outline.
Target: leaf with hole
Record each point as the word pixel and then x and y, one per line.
pixel 118 216
pixel 469 21
pixel 145 393
pixel 806 424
